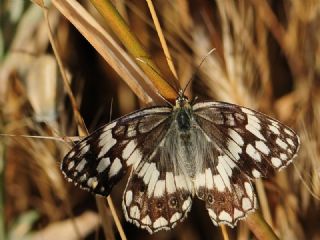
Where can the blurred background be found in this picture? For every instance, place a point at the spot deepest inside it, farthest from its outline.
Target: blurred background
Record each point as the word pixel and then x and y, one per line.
pixel 267 57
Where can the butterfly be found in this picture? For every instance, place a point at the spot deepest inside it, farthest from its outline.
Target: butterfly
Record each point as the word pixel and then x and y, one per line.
pixel 210 150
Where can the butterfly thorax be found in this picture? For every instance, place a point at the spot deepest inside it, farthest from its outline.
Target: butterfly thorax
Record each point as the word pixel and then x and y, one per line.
pixel 183 113
pixel 183 120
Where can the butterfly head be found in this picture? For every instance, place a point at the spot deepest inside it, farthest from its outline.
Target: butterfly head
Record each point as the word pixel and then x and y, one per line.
pixel 182 101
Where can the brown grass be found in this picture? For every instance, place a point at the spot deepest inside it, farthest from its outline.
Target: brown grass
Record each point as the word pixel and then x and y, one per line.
pixel 266 57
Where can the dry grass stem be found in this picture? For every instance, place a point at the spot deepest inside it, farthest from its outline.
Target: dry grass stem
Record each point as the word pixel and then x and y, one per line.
pixel 224 232
pixel 263 202
pixel 162 38
pixel 259 227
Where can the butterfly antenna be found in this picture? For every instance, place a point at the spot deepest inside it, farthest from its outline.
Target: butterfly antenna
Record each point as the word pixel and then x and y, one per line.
pixel 197 69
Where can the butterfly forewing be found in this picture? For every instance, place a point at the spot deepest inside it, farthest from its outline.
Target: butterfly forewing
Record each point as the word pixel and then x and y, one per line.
pixel 100 160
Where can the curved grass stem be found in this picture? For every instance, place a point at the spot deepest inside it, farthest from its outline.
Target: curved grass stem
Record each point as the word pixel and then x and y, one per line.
pixel 128 39
pixel 162 38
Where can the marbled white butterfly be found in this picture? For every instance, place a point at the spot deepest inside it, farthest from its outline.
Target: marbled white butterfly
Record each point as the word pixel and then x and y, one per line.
pixel 211 150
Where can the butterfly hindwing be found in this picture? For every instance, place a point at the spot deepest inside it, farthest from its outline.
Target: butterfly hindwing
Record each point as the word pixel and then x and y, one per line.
pixel 157 196
pixel 100 160
pixel 226 190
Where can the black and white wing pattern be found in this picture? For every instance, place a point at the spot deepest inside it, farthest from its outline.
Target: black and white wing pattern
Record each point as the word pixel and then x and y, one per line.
pixel 155 197
pixel 100 160
pixel 158 195
pixel 210 149
pixel 245 144
pixel 226 190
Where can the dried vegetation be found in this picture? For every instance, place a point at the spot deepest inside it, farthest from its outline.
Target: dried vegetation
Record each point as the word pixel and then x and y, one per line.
pixel 267 57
